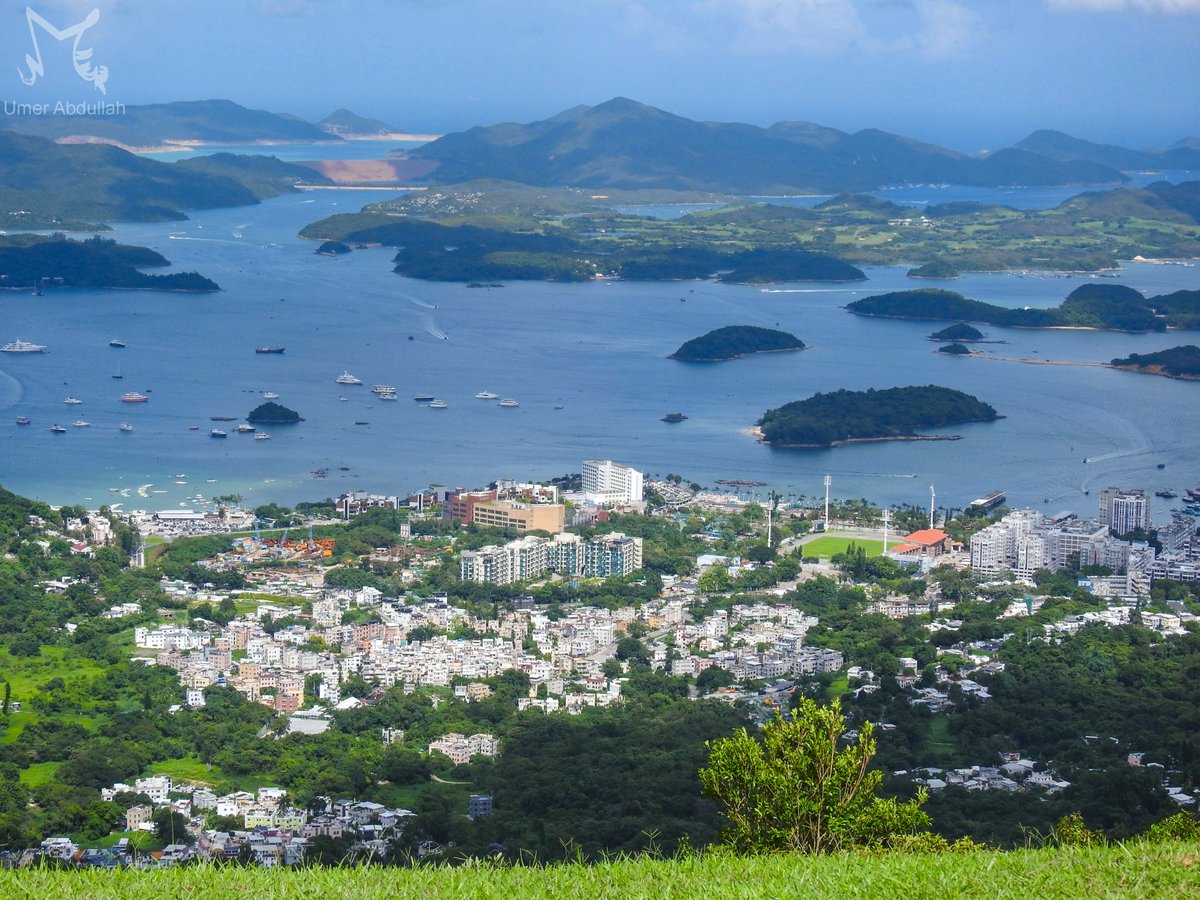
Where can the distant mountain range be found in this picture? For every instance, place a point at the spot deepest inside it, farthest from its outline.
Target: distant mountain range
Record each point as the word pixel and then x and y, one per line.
pixel 1184 155
pixel 625 144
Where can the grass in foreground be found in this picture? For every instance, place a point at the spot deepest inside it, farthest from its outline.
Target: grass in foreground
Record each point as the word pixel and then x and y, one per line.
pixel 1135 870
pixel 830 546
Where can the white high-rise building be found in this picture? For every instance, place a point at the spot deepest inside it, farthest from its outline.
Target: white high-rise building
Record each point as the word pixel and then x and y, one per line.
pixel 1124 511
pixel 605 481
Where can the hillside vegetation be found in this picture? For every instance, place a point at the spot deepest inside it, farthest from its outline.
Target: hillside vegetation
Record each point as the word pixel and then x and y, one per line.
pixel 1177 362
pixel 30 260
pixel 1143 871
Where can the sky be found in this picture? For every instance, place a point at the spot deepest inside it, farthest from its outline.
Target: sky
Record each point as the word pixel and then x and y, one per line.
pixel 967 74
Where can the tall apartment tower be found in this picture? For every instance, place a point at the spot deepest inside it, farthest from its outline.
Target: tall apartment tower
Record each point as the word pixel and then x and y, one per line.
pixel 1124 511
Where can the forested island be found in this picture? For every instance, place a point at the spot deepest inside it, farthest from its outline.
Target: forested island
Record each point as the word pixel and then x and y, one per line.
pixel 1108 307
pixel 955 350
pixel 939 269
pixel 272 413
pixel 37 262
pixel 840 417
pixel 1177 362
pixel 734 342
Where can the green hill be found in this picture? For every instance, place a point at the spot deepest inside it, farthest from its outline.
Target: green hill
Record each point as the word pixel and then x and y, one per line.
pixel 1138 871
pixel 626 144
pixel 344 122
pixel 958 333
pixel 827 420
pixel 48 185
pixel 1057 145
pixel 734 342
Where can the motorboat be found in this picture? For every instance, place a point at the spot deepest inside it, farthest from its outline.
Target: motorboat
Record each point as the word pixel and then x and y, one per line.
pixel 486 395
pixel 270 395
pixel 383 389
pixel 134 397
pixel 23 420
pixel 126 426
pixel 437 404
pixel 508 402
pixel 72 401
pixel 246 428
pixel 347 378
pixel 262 436
pixel 58 429
pixel 217 433
pixel 81 423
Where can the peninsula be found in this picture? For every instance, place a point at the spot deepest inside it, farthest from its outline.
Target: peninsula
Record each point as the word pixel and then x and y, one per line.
pixel 734 342
pixel 841 417
pixel 36 262
pixel 1105 307
pixel 1177 362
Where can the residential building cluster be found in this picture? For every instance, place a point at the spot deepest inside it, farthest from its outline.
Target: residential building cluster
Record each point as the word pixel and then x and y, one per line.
pixel 565 554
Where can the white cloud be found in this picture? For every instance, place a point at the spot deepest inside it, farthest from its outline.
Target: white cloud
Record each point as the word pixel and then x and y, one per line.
pixel 1178 7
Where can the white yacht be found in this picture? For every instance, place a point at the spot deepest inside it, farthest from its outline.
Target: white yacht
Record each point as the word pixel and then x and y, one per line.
pixel 437 404
pixel 388 395
pixel 72 401
pixel 262 436
pixel 270 395
pixel 486 395
pixel 80 423
pixel 20 346
pixel 347 378
pixel 383 389
pixel 509 402
pixel 126 426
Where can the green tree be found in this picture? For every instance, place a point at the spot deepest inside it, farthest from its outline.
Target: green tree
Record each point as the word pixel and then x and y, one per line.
pixel 796 791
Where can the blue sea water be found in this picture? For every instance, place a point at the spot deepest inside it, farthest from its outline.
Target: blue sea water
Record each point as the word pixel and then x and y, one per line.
pixel 586 362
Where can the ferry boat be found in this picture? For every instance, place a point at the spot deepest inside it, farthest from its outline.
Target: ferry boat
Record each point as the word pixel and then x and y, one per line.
pixel 126 426
pixel 509 402
pixel 486 395
pixel 20 346
pixel 262 436
pixel 72 401
pixel 58 429
pixel 383 389
pixel 437 404
pixel 134 397
pixel 23 420
pixel 270 349
pixel 115 342
pixel 246 428
pixel 217 433
pixel 347 378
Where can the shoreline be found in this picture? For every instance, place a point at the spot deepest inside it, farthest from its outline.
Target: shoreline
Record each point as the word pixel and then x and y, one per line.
pixel 738 356
pixel 757 433
pixel 1068 362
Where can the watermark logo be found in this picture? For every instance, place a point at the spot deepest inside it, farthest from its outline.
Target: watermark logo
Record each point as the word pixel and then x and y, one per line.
pixel 80 58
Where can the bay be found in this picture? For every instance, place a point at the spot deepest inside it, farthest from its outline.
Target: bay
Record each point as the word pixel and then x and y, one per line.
pixel 586 362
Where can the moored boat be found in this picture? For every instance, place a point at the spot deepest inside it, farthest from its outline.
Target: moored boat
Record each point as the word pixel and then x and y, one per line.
pixel 126 426
pixel 437 404
pixel 508 402
pixel 262 436
pixel 20 346
pixel 116 342
pixel 217 433
pixel 72 401
pixel 486 395
pixel 423 398
pixel 23 420
pixel 57 429
pixel 274 348
pixel 383 389
pixel 347 378
pixel 246 428
pixel 134 397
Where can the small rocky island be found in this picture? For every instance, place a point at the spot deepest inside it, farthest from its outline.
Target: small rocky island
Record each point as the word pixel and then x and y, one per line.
pixel 734 342
pixel 955 350
pixel 1177 362
pixel 961 333
pixel 937 268
pixel 272 413
pixel 893 414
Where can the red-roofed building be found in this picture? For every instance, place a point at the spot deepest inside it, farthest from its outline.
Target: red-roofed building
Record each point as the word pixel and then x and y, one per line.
pixel 927 542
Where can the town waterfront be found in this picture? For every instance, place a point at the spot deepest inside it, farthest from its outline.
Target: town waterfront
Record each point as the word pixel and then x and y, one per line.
pixel 586 363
